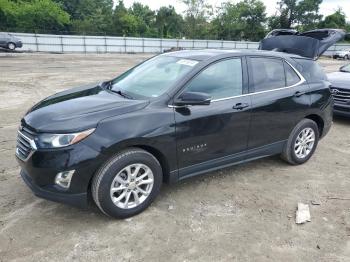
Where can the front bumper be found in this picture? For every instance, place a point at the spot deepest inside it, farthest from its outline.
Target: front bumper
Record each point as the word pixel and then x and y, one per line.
pixel 49 193
pixel 342 110
pixel 40 169
pixel 19 44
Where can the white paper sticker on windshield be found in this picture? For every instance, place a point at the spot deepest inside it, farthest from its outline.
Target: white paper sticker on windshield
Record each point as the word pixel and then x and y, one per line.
pixel 187 62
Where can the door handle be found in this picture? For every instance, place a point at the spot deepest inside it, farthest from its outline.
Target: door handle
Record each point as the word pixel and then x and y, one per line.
pixel 240 106
pixel 299 94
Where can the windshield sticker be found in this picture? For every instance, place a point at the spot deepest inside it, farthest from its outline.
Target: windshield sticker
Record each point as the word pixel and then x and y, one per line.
pixel 187 62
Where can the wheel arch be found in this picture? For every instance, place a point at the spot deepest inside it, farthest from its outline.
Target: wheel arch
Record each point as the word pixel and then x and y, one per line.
pixel 160 157
pixel 156 152
pixel 319 121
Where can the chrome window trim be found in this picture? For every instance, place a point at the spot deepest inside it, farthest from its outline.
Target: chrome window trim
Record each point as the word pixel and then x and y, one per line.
pixel 302 80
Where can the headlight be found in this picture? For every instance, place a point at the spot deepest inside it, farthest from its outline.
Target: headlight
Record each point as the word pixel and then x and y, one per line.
pixel 61 140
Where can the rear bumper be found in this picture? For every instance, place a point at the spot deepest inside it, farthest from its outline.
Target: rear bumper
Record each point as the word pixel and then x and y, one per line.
pixel 78 200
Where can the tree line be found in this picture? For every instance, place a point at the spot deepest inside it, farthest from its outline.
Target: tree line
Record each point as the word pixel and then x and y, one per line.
pixel 245 20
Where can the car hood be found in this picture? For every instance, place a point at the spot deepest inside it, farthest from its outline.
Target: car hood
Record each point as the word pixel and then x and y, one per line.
pixel 78 109
pixel 339 79
pixel 311 44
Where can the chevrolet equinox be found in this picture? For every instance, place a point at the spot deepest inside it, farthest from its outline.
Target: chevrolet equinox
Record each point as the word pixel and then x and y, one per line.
pixel 174 116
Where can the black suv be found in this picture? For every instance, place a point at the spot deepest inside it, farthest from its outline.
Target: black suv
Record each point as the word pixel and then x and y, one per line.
pixel 171 117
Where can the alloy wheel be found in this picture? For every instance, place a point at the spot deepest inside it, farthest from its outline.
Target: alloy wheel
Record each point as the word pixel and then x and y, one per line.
pixel 132 186
pixel 304 143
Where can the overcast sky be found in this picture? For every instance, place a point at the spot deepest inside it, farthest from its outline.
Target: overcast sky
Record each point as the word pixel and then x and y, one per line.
pixel 327 7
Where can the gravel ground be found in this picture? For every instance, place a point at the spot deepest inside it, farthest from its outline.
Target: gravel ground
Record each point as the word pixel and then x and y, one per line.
pixel 243 213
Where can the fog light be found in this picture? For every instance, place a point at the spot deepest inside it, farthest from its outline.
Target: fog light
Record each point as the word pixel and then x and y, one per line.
pixel 63 178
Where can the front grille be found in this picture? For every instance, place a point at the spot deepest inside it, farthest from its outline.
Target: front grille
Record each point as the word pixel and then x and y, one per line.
pixel 341 95
pixel 25 143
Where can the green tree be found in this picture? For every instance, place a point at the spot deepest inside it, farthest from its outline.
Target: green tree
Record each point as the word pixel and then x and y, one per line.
pixel 145 19
pixel 7 15
pixel 303 14
pixel 34 15
pixel 81 9
pixel 89 16
pixel 168 22
pixel 242 21
pixel 123 22
pixel 335 20
pixel 197 15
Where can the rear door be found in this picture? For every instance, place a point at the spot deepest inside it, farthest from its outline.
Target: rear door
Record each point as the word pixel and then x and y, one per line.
pixel 207 135
pixel 279 97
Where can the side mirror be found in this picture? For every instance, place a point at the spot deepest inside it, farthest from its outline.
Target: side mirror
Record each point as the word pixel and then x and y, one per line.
pixel 193 99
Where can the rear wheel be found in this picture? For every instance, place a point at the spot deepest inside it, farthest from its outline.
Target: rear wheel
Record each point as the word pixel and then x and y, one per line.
pixel 127 184
pixel 11 46
pixel 301 143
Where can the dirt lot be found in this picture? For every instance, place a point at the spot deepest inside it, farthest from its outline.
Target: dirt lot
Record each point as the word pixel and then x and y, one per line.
pixel 244 213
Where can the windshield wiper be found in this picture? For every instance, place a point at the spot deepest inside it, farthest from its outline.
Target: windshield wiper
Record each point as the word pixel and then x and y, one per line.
pixel 121 93
pixel 108 85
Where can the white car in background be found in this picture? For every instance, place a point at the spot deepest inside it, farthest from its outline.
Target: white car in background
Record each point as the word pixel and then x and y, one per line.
pixel 345 54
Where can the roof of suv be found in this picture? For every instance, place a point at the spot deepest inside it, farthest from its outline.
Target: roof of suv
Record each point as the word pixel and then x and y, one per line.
pixel 209 53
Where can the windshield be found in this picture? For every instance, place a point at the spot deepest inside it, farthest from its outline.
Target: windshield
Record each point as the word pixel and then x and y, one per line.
pixel 345 68
pixel 153 77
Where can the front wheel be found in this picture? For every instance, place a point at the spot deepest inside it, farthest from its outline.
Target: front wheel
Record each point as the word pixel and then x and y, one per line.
pixel 127 183
pixel 301 143
pixel 11 46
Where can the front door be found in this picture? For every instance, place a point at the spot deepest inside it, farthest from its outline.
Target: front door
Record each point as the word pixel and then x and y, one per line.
pixel 208 135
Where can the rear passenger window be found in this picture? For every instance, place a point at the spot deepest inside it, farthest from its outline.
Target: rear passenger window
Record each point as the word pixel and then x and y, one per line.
pixel 266 74
pixel 291 76
pixel 310 70
pixel 220 80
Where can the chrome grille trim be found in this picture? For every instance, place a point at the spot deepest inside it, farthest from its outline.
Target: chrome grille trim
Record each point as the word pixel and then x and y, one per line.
pixel 340 94
pixel 25 145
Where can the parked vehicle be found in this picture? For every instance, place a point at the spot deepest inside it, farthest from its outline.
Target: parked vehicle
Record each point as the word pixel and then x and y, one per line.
pixel 9 41
pixel 344 54
pixel 341 90
pixel 171 117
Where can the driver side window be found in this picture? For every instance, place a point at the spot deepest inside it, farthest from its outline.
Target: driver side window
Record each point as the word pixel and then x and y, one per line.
pixel 220 80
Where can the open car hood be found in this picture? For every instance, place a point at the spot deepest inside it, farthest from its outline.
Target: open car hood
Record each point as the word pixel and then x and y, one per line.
pixel 311 44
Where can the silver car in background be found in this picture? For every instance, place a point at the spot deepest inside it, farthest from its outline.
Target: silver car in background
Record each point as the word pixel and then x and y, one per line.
pixel 344 54
pixel 9 41
pixel 341 90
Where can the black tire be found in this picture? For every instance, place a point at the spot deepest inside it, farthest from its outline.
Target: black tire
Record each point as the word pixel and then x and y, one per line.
pixel 11 46
pixel 288 153
pixel 102 181
pixel 346 57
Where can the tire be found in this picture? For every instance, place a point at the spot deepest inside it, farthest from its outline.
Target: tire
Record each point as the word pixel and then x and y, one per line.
pixel 119 173
pixel 291 152
pixel 346 57
pixel 11 46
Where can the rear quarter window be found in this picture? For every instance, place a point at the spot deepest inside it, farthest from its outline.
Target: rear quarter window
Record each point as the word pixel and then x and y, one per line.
pixel 310 69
